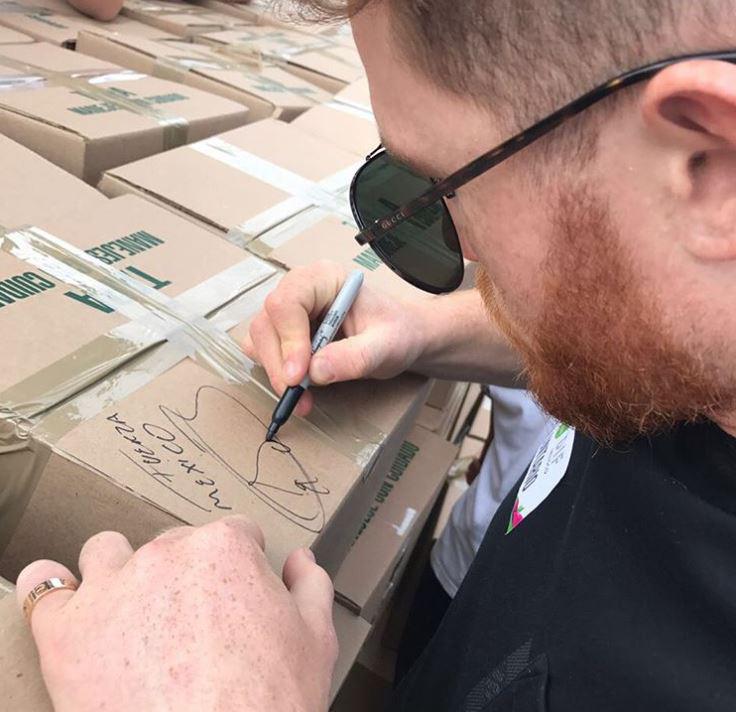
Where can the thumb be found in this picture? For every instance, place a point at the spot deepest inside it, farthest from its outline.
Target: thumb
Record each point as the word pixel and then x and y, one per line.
pixel 346 360
pixel 311 589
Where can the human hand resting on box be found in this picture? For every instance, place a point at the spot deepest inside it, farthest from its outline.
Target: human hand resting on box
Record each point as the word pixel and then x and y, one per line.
pixel 194 620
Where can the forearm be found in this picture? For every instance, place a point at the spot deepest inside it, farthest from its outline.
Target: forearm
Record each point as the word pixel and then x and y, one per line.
pixel 463 344
pixel 104 10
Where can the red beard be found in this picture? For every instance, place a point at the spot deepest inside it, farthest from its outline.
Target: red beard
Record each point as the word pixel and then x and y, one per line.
pixel 599 358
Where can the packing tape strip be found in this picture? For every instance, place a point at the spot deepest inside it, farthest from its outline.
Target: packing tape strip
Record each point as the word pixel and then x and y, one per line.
pixel 194 335
pixel 348 107
pixel 287 230
pixel 10 6
pixel 177 68
pixel 329 194
pixel 164 8
pixel 175 128
pixel 51 386
pixel 285 50
pixel 23 457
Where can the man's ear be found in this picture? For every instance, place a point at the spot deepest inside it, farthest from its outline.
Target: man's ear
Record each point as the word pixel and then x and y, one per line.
pixel 691 109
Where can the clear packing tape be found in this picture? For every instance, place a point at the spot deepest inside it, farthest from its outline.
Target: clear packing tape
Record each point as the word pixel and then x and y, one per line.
pixel 176 69
pixel 282 51
pixel 329 194
pixel 161 332
pixel 90 85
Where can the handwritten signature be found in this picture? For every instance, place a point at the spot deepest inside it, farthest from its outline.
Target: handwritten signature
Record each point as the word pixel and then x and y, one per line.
pixel 196 449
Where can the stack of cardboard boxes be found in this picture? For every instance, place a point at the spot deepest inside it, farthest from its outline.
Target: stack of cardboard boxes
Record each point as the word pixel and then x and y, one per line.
pixel 125 401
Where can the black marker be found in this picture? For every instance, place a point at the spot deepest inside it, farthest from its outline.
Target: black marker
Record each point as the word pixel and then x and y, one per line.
pixel 325 334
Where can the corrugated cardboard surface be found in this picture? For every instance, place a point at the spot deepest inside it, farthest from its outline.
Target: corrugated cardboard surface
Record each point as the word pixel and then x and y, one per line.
pixel 348 130
pixel 35 189
pixel 8 36
pixel 374 565
pixel 356 94
pixel 266 91
pixel 24 690
pixel 229 196
pixel 85 135
pixel 20 675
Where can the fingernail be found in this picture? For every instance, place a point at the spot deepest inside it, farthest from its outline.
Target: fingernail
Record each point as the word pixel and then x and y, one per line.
pixel 291 370
pixel 322 371
pixel 310 555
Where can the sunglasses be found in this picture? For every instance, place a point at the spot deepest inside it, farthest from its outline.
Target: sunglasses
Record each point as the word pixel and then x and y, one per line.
pixel 404 218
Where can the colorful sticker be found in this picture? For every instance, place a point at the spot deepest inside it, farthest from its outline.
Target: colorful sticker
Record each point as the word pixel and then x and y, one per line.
pixel 545 473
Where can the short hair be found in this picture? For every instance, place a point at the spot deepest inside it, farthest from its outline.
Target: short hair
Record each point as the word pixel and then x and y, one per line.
pixel 524 58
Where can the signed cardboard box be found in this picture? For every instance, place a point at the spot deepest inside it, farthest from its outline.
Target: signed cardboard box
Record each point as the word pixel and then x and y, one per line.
pixel 329 64
pixel 267 91
pixel 88 465
pixel 79 332
pixel 20 674
pixel 60 25
pixel 375 563
pixel 168 442
pixel 104 117
pixel 257 176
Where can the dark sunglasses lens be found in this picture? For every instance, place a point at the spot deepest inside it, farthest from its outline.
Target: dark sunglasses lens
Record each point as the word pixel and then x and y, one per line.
pixel 424 250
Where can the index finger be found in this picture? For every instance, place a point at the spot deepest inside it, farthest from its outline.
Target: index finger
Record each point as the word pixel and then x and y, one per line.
pixel 302 295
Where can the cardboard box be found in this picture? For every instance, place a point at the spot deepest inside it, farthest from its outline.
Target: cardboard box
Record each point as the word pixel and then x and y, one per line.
pixel 167 443
pixel 104 116
pixel 356 95
pixel 82 333
pixel 36 189
pixel 61 25
pixel 20 673
pixel 24 689
pixel 352 632
pixel 180 18
pixel 441 393
pixel 340 124
pixel 321 61
pixel 78 464
pixel 316 235
pixel 157 249
pixel 8 36
pixel 373 568
pixel 257 177
pixel 267 91
pixel 468 404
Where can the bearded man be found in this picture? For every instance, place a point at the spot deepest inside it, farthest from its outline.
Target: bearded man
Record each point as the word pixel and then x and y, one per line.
pixel 585 155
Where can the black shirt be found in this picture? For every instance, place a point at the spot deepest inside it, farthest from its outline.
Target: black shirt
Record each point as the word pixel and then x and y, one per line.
pixel 618 592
